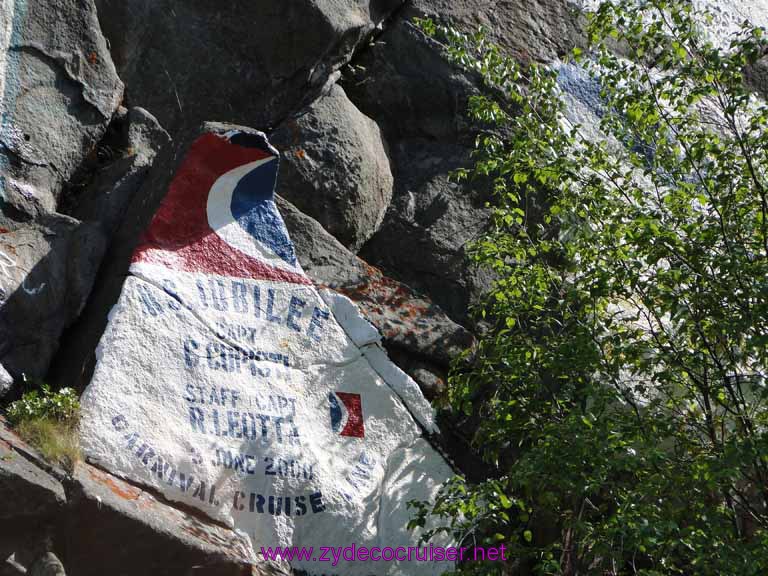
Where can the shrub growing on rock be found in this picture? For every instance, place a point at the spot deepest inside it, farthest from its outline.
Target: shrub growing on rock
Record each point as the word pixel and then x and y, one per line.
pixel 48 420
pixel 62 405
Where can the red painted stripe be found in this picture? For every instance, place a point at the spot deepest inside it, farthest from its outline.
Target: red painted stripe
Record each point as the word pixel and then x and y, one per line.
pixel 214 256
pixel 355 426
pixel 179 236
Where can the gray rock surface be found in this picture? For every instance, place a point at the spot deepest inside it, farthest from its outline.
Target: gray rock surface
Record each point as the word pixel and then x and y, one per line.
pixel 247 62
pixel 321 255
pixel 32 499
pixel 538 30
pixel 58 90
pixel 113 523
pixel 47 269
pixel 135 140
pixel 335 168
pixel 432 221
pixel 29 490
pixel 409 322
pixel 405 84
pixel 420 100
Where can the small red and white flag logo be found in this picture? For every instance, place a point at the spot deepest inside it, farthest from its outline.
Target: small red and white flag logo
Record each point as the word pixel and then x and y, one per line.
pixel 347 414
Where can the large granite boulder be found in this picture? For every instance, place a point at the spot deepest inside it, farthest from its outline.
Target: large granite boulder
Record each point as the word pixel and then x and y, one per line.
pixel 420 100
pixel 246 62
pixel 228 382
pixel 58 90
pixel 47 269
pixel 134 139
pixel 421 338
pixel 536 30
pixel 335 168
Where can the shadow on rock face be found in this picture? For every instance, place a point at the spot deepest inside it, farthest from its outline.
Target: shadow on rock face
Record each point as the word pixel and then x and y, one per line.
pixel 47 269
pixel 420 100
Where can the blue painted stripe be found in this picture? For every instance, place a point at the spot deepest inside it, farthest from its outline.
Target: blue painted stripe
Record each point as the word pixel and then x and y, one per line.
pixel 254 210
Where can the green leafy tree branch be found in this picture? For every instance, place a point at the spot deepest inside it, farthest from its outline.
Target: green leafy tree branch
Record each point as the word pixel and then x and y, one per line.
pixel 620 398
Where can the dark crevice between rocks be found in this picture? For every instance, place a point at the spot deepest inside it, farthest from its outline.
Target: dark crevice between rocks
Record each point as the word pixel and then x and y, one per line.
pixel 394 16
pixel 455 442
pixel 335 71
pixel 110 183
pixel 314 91
pixel 112 145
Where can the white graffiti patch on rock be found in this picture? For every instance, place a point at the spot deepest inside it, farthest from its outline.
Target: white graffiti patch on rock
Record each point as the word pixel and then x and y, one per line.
pixel 7 265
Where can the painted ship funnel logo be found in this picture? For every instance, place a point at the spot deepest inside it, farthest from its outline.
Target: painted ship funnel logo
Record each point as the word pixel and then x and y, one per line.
pixel 219 215
pixel 241 211
pixel 347 414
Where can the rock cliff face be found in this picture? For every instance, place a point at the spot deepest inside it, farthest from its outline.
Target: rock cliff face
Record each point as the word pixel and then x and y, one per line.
pixel 100 104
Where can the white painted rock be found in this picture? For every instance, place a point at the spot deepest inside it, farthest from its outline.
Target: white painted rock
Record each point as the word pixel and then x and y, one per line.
pixel 228 382
pixel 6 381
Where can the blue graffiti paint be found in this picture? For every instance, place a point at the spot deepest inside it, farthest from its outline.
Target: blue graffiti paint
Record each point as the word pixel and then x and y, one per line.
pixel 583 87
pixel 12 86
pixel 577 82
pixel 255 211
